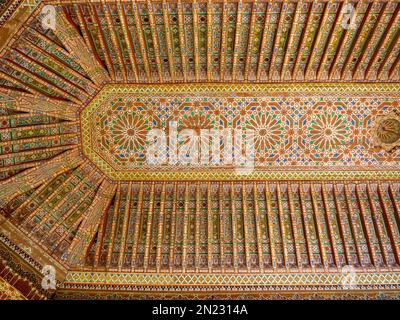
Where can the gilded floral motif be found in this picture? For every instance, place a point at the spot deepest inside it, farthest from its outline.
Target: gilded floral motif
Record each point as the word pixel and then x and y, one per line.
pixel 328 131
pixel 268 131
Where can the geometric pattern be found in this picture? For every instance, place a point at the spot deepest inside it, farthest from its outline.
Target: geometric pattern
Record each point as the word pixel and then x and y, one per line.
pixel 80 294
pixel 8 292
pixel 295 134
pixel 288 222
pixel 273 280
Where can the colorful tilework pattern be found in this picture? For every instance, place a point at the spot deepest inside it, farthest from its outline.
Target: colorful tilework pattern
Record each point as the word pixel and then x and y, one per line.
pixel 295 134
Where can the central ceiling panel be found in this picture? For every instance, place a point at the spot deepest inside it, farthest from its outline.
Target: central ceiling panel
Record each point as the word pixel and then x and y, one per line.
pixel 287 132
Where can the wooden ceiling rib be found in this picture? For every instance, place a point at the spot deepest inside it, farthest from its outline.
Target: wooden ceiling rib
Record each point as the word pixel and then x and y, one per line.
pixel 138 232
pixel 207 41
pixel 376 58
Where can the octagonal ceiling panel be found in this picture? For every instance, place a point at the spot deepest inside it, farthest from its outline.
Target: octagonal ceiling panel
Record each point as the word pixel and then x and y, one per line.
pixel 297 132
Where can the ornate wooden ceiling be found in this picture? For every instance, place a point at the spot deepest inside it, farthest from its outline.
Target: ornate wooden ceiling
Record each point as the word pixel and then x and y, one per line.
pixel 199 236
pixel 223 41
pixel 235 41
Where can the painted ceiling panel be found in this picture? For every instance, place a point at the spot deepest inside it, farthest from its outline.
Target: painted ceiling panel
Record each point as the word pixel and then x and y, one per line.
pixel 321 93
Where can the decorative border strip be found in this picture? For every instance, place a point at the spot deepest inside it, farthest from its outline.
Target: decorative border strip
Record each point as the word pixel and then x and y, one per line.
pixel 24 266
pixel 270 281
pixel 257 175
pixel 268 88
pixel 9 11
pixel 21 253
pixel 69 294
pixel 216 174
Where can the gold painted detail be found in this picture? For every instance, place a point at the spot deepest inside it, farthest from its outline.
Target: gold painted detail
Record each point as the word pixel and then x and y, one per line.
pixel 267 279
pixel 298 129
pixel 386 132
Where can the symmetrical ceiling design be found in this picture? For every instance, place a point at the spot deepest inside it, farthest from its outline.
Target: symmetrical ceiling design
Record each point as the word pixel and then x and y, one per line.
pixel 293 132
pixel 77 100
